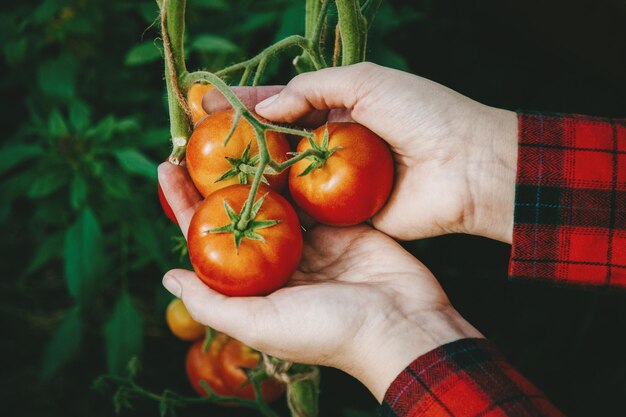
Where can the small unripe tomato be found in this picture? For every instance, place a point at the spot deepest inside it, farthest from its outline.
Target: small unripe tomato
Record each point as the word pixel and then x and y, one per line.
pixel 194 100
pixel 180 322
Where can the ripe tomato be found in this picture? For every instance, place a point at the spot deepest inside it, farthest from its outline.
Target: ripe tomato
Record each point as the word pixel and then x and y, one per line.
pixel 180 322
pixel 194 100
pixel 166 206
pixel 354 182
pixel 222 368
pixel 207 156
pixel 257 267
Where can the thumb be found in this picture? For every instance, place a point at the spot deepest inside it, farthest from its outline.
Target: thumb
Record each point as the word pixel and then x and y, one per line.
pixel 329 88
pixel 235 316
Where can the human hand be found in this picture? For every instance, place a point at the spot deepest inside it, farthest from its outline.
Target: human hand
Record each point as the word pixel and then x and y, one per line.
pixel 358 302
pixel 455 158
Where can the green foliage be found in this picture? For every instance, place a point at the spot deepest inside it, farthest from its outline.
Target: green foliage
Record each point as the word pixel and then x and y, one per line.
pixel 64 345
pixel 85 130
pixel 123 335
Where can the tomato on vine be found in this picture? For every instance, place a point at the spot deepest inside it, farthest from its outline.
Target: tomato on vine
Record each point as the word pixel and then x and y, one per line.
pixel 194 100
pixel 180 322
pixel 349 177
pixel 222 367
pixel 213 165
pixel 243 257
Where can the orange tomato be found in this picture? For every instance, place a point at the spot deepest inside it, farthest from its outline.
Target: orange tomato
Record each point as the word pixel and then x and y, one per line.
pixel 222 368
pixel 180 322
pixel 194 100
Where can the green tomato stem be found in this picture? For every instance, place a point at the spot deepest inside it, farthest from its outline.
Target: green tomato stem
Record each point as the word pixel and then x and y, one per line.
pixel 180 128
pixel 353 31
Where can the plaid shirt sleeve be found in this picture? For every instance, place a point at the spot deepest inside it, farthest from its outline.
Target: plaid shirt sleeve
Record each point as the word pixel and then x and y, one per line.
pixel 570 203
pixel 466 378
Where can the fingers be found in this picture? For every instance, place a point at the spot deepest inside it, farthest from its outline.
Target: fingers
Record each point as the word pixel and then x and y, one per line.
pixel 330 88
pixel 235 316
pixel 180 193
pixel 214 101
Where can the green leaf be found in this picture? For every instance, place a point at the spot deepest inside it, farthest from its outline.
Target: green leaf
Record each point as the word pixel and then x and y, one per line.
pixel 52 247
pixel 143 53
pixel 13 155
pixel 214 44
pixel 64 345
pixel 46 184
pixel 209 4
pixel 15 51
pixel 155 137
pixel 57 77
pixel 80 116
pixel 84 257
pixel 134 162
pixel 56 124
pixel 123 335
pixel 47 9
pixel 78 192
pixel 103 130
pixel 234 217
pixel 258 21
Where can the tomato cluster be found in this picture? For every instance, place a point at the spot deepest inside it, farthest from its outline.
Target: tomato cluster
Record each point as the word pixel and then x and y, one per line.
pixel 345 178
pixel 223 367
pixel 223 364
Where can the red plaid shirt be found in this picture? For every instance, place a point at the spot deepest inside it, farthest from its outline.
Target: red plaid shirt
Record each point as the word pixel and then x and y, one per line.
pixel 570 227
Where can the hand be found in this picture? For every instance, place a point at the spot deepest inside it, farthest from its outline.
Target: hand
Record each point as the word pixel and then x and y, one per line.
pixel 358 302
pixel 455 158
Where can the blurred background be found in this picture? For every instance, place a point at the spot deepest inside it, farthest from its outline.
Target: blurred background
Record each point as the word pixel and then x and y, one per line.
pixel 84 242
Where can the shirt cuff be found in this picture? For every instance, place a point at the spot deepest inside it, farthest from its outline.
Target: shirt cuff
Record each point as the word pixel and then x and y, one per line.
pixel 570 200
pixel 468 377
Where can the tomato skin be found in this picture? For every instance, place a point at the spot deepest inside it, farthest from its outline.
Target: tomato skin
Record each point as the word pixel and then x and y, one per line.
pixel 232 358
pixel 180 322
pixel 166 206
pixel 353 184
pixel 221 368
pixel 194 100
pixel 258 268
pixel 206 153
pixel 203 366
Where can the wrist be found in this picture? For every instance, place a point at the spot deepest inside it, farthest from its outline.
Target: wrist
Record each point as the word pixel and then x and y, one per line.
pixel 380 356
pixel 492 173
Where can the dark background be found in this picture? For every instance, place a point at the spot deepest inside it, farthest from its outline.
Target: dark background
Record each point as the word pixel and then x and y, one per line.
pixel 61 57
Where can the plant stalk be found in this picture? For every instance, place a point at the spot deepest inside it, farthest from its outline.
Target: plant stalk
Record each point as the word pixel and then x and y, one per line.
pixel 353 31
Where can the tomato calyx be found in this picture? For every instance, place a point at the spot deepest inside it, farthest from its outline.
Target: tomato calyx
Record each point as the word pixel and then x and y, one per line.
pixel 244 230
pixel 320 155
pixel 245 166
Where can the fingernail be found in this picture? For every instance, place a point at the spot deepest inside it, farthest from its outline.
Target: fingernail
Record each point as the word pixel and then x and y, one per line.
pixel 172 285
pixel 267 101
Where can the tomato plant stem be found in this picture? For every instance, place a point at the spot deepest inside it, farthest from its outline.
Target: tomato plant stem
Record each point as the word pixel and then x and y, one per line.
pixel 174 29
pixel 353 31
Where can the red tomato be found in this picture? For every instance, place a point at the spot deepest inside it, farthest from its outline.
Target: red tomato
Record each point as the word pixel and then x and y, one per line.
pixel 180 322
pixel 354 182
pixel 194 100
pixel 166 206
pixel 258 267
pixel 207 156
pixel 222 368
